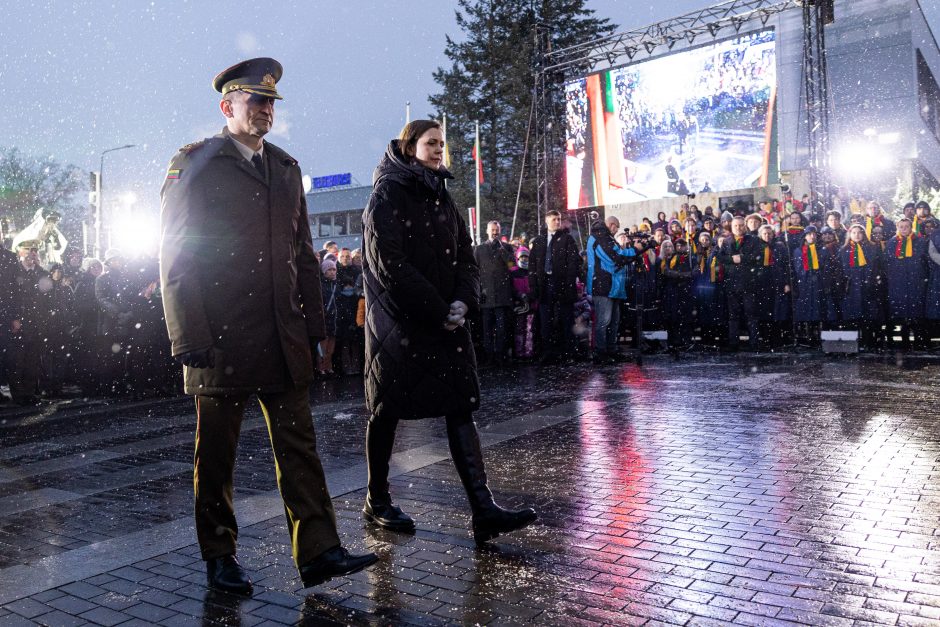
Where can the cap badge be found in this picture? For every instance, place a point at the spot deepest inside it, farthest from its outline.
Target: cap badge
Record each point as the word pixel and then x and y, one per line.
pixel 268 81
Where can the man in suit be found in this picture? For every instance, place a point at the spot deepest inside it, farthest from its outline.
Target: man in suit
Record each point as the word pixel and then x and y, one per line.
pixel 554 264
pixel 241 290
pixel 494 258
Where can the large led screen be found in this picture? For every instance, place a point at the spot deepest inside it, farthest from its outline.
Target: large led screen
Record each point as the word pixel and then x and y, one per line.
pixel 698 120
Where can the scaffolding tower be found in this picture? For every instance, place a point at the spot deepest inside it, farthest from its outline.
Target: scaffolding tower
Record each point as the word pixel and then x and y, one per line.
pixel 554 66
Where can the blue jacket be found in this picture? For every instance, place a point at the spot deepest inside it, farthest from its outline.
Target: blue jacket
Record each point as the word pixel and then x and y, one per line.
pixel 606 264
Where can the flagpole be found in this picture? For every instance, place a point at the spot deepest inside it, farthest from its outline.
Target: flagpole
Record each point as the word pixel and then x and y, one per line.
pixel 476 175
pixel 407 112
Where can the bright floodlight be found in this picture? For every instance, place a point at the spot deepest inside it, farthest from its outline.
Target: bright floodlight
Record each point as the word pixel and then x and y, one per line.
pixel 128 198
pixel 136 235
pixel 861 160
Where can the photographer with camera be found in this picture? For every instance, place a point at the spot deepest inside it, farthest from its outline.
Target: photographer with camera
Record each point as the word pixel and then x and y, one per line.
pixel 607 285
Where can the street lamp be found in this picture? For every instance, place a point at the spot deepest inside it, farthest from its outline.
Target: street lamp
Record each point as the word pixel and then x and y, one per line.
pixel 99 199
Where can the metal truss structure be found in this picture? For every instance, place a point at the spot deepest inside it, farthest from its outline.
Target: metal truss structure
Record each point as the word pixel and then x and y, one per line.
pixel 554 66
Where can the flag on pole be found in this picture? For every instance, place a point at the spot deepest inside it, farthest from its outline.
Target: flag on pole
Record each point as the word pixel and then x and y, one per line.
pixel 479 162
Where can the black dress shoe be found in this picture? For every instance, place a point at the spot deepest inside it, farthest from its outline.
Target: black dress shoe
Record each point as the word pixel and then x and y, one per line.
pixel 388 516
pixel 226 574
pixel 493 521
pixel 333 563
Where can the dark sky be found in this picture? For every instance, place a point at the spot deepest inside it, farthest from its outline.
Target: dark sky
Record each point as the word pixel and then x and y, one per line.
pixel 84 76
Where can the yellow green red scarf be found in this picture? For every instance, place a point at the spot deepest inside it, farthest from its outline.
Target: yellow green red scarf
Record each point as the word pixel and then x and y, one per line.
pixel 768 256
pixel 810 258
pixel 857 256
pixel 717 270
pixel 907 250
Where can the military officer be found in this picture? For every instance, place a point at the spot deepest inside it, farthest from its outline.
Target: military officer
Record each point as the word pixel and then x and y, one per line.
pixel 241 293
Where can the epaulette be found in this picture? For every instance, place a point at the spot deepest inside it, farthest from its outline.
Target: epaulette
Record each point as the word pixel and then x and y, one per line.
pixel 188 148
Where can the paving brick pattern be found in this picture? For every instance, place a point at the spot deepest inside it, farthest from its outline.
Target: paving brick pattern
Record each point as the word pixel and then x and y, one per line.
pixel 754 491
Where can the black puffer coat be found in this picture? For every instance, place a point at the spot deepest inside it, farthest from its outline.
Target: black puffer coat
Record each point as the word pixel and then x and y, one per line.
pixel 418 258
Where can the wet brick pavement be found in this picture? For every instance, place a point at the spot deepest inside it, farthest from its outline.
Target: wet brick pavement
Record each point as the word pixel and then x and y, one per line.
pixel 756 490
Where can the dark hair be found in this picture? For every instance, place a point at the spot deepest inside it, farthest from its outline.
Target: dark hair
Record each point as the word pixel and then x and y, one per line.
pixel 553 212
pixel 411 133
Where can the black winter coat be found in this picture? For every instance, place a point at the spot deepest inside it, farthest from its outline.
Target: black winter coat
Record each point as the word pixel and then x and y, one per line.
pixel 566 264
pixel 418 259
pixel 494 259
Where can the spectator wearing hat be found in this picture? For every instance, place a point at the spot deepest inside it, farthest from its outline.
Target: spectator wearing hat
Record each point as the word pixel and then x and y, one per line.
pixel 876 217
pixel 907 274
pixel 909 211
pixel 114 291
pixel 73 263
pixel 607 285
pixel 523 307
pixel 330 289
pixel 661 222
pixel 725 221
pixel 753 222
pixel 494 258
pixel 676 232
pixel 245 325
pixel 34 287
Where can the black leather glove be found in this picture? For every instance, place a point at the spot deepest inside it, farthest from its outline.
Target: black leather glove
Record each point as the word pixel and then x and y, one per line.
pixel 202 358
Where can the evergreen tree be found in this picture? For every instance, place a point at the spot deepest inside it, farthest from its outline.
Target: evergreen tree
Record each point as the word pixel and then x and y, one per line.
pixel 490 80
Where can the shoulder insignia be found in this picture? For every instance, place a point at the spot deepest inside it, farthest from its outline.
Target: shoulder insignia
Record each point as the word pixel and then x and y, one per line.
pixel 188 148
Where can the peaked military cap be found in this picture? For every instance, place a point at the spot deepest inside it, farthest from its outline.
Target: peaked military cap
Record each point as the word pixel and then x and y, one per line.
pixel 256 76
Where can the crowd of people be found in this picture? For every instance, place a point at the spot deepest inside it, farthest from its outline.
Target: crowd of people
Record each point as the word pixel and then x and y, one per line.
pixel 95 327
pixel 778 277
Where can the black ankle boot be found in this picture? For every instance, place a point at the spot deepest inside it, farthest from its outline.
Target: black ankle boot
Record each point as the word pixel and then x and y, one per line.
pixel 388 516
pixel 378 509
pixel 489 519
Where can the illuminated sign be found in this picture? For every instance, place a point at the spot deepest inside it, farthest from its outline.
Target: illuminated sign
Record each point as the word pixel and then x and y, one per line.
pixel 332 180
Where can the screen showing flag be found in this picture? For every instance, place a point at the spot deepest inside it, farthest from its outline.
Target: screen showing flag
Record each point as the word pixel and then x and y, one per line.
pixel 694 121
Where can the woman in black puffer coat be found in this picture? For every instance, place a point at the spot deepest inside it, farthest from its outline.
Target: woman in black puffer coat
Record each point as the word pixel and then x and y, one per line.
pixel 420 280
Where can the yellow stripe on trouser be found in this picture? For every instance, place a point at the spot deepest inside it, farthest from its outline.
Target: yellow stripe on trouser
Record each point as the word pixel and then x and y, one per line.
pixel 311 520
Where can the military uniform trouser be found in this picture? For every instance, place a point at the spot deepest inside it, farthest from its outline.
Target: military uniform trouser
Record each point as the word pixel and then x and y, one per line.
pixel 311 521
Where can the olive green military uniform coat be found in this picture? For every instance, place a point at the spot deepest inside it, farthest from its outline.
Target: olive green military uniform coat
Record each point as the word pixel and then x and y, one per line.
pixel 238 270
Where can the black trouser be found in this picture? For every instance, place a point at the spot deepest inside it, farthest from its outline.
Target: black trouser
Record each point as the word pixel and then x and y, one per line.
pixel 494 331
pixel 556 320
pixel 311 521
pixel 742 305
pixel 463 441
